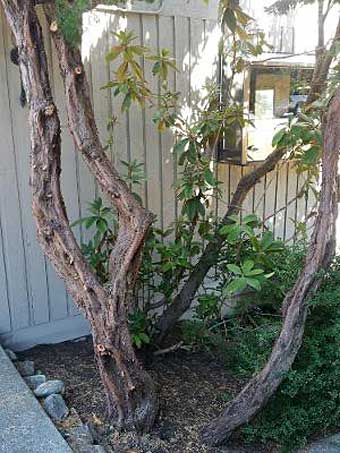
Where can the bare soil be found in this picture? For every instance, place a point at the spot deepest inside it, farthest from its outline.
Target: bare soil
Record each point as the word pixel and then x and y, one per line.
pixel 193 389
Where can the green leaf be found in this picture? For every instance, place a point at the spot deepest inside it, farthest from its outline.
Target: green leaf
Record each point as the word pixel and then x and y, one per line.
pixel 229 19
pixel 126 104
pixel 311 156
pixel 167 267
pixel 267 240
pixel 278 137
pixel 144 338
pixel 254 283
pixel 209 177
pixel 236 286
pixel 250 218
pixel 247 266
pixel 137 341
pixel 234 269
pixel 234 218
pixel 101 225
pixel 90 221
pixel 225 230
pixel 234 233
pixel 191 208
pixel 255 272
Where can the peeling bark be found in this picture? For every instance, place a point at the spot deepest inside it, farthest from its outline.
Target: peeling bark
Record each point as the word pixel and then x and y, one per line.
pixel 321 249
pixel 131 397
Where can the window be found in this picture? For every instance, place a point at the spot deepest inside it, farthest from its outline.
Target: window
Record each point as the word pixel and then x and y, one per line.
pixel 271 94
pixel 275 94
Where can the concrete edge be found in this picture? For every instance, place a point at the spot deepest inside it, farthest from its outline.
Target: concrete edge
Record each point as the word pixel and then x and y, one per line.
pixel 24 425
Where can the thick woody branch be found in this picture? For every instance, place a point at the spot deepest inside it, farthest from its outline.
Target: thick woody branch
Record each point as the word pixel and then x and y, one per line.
pixel 134 220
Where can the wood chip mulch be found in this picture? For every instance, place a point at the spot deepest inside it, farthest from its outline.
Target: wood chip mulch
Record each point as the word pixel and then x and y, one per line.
pixel 193 389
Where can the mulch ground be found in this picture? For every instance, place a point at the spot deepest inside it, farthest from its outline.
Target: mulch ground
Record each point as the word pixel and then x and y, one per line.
pixel 193 389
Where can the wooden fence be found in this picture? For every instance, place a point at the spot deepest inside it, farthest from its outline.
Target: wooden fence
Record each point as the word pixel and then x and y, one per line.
pixel 34 306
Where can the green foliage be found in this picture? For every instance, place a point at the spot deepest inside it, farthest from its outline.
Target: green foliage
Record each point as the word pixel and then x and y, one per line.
pixel 246 274
pixel 139 326
pixel 307 401
pixel 234 17
pixel 102 223
pixel 104 228
pixel 302 138
pixel 251 262
pixel 70 19
pixel 129 81
pixel 208 307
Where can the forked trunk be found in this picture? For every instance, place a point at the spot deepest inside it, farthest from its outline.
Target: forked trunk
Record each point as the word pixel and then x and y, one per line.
pixel 263 385
pixel 131 396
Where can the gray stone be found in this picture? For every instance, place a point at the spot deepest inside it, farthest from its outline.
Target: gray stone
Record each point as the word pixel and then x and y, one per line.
pixel 24 426
pixel 79 437
pixel 92 449
pixel 12 355
pixel 25 368
pixel 327 445
pixel 56 407
pixel 97 449
pixel 34 381
pixel 48 388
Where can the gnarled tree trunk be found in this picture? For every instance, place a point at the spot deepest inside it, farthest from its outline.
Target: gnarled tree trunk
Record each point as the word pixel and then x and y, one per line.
pixel 131 396
pixel 262 386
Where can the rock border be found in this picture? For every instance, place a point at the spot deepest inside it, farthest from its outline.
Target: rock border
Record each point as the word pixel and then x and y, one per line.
pixel 80 436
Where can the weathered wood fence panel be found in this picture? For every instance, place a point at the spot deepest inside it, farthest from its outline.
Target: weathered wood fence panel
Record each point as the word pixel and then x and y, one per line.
pixel 34 307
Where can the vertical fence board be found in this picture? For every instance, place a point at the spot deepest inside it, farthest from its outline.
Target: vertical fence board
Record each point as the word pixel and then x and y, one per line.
pixel 136 113
pixel 11 221
pixel 291 208
pixel 120 143
pixel 167 41
pixel 153 164
pixel 5 142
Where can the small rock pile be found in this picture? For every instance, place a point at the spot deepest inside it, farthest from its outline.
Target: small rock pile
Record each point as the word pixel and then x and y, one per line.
pixel 80 436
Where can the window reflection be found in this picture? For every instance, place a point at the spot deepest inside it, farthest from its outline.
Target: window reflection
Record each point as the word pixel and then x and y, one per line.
pixel 275 93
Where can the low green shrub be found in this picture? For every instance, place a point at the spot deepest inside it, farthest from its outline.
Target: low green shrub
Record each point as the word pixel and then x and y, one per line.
pixel 308 401
pixel 307 404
